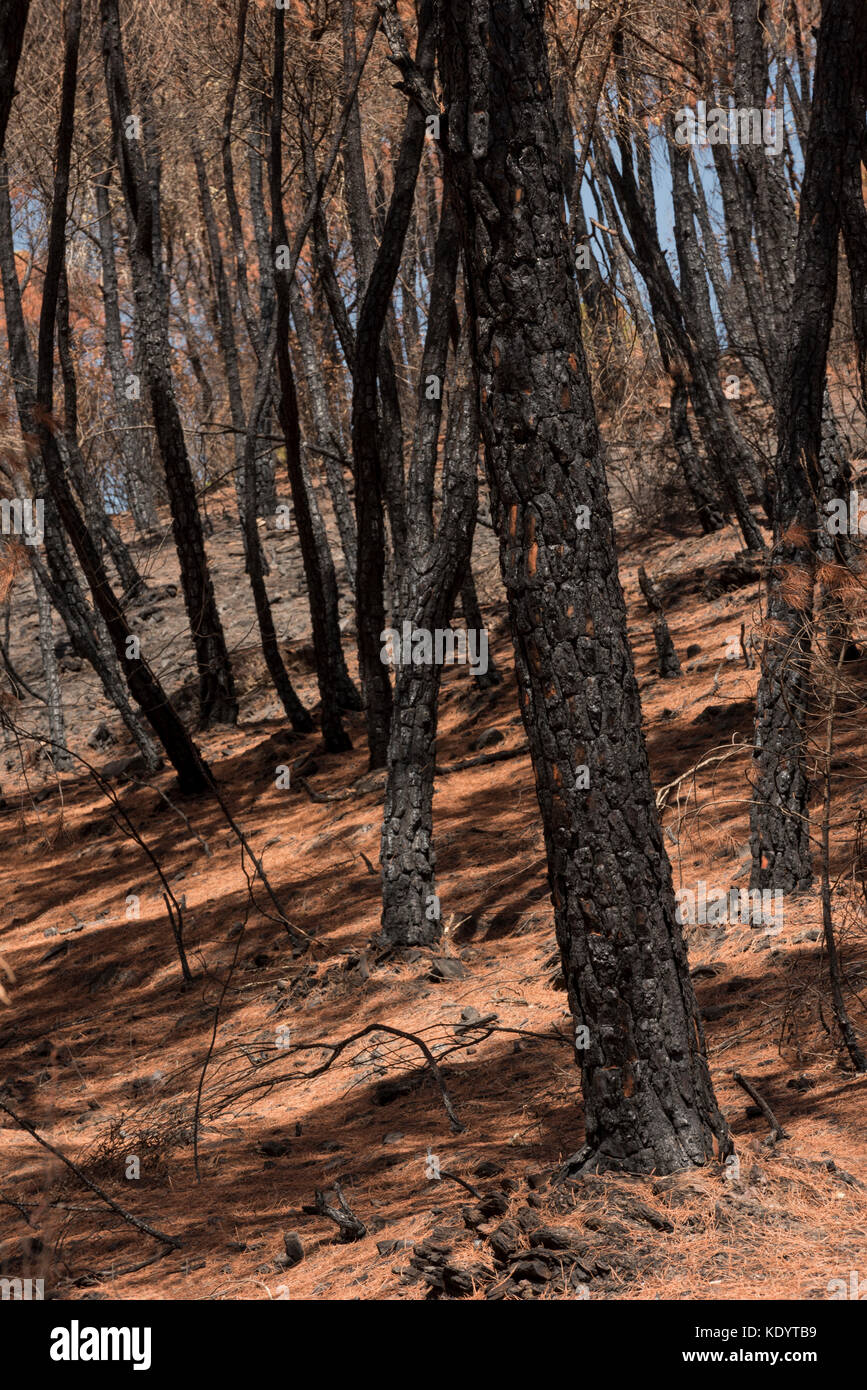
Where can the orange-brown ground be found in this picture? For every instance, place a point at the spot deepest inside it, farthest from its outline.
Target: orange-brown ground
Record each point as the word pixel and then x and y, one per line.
pixel 102 1047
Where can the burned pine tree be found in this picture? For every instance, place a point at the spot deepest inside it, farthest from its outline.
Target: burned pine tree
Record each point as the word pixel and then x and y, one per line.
pixel 38 421
pixel 779 812
pixel 649 1102
pixel 139 179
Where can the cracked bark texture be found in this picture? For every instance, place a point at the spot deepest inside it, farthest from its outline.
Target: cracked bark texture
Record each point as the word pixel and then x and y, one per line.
pixel 779 811
pixel 649 1102
pixel 410 914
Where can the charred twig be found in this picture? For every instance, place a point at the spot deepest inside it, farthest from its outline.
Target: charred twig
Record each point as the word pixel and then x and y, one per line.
pixel 351 1227
pixel 177 924
pixel 482 760
pixel 777 1131
pixel 127 1216
pixel 467 1186
pixel 321 798
pixel 339 1047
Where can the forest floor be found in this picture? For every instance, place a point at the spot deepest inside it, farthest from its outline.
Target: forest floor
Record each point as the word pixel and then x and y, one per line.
pixel 102 1045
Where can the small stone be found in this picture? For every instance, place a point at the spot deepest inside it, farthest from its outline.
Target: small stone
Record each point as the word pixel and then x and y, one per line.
pixel 446 968
pixel 275 1148
pixel 293 1247
pixel 488 739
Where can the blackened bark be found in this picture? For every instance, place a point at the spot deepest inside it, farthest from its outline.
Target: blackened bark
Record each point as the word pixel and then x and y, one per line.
pixel 255 560
pixel 411 913
pixel 59 579
pixel 854 215
pixel 779 812
pixel 475 622
pixel 428 579
pixel 706 506
pixel 130 436
pixel 13 22
pixel 367 443
pixel 667 658
pixel 649 1102
pixel 321 584
pixel 217 699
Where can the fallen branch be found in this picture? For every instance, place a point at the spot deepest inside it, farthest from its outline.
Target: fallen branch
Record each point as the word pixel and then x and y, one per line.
pixel 777 1131
pixel 483 759
pixel 351 1227
pixel 88 1182
pixel 321 798
pixel 337 1048
pixel 467 1186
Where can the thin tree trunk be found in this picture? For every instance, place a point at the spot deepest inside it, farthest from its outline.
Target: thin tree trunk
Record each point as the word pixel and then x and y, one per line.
pixel 411 913
pixel 254 557
pixel 779 812
pixel 369 447
pixel 321 584
pixel 183 754
pixel 13 22
pixel 217 700
pixel 59 579
pixel 130 436
pixel 53 695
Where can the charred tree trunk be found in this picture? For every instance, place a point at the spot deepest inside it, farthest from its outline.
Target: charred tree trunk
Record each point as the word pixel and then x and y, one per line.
pixel 411 914
pixel 255 560
pixel 649 1102
pixel 433 564
pixel 53 694
pixel 321 584
pixel 13 22
pixel 217 700
pixel 369 446
pixel 475 623
pixel 779 812
pixel 192 773
pixel 100 524
pixel 707 510
pixel 131 441
pixel 667 658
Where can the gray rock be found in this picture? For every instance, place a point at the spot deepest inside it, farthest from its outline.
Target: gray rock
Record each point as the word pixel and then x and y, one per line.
pixel 293 1247
pixel 489 739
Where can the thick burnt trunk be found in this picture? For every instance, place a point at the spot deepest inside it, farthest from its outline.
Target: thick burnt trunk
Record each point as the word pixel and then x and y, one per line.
pixel 779 813
pixel 217 700
pixel 649 1102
